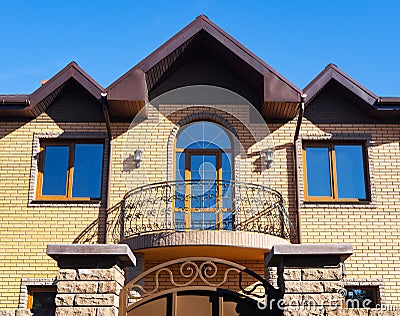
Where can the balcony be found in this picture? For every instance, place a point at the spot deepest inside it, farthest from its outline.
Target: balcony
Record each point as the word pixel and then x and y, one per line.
pixel 181 206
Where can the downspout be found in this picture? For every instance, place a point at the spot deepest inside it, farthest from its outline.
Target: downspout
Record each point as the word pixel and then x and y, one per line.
pixel 296 136
pixel 104 105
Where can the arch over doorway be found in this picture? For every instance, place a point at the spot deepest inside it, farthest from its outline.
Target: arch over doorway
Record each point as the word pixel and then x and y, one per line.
pixel 199 286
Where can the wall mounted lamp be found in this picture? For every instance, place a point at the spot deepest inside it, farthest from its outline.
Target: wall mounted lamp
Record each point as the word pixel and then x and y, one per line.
pixel 267 155
pixel 138 157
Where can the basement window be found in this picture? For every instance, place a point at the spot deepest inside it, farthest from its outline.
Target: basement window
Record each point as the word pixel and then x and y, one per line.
pixel 70 170
pixel 361 297
pixel 41 299
pixel 335 172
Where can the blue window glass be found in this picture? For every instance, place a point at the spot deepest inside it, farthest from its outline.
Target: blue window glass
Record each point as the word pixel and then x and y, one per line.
pixel 350 171
pixel 227 221
pixel 318 171
pixel 76 175
pixel 203 192
pixel 203 135
pixel 203 158
pixel 55 170
pixel 87 170
pixel 203 220
pixel 179 220
pixel 336 171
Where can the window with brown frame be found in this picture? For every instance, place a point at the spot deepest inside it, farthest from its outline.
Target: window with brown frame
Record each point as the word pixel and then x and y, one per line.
pixel 41 299
pixel 335 172
pixel 70 170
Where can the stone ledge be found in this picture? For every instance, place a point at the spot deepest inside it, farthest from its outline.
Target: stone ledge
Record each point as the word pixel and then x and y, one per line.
pixel 282 251
pixel 121 252
pixel 242 239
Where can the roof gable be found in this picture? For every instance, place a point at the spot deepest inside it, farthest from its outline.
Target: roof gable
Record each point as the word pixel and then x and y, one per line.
pixel 332 72
pixel 334 78
pixel 202 35
pixel 38 101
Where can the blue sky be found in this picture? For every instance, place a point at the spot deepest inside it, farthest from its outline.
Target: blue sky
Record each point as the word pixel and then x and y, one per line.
pixel 106 38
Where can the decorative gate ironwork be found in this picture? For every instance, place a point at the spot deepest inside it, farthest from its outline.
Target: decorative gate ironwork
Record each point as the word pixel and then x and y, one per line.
pixel 199 286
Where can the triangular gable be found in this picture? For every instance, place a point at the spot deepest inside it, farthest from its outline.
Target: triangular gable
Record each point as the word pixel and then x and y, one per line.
pixel 41 99
pixel 130 91
pixel 332 72
pixel 371 104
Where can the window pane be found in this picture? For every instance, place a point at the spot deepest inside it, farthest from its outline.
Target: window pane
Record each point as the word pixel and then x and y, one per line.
pixel 180 166
pixel 88 164
pixel 318 172
pixel 226 162
pixel 203 194
pixel 350 171
pixel 179 195
pixel 203 220
pixel 55 170
pixel 203 167
pixel 205 135
pixel 179 220
pixel 227 221
pixel 226 195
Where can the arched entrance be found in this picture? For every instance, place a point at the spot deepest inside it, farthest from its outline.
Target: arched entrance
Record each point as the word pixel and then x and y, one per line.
pixel 199 286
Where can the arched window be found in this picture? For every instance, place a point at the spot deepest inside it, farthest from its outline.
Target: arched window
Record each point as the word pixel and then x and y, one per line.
pixel 203 170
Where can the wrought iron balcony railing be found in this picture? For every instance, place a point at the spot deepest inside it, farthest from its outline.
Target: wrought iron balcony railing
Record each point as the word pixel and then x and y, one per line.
pixel 195 205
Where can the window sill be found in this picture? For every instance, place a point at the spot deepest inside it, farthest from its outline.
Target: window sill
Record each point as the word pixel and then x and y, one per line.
pixel 61 203
pixel 339 204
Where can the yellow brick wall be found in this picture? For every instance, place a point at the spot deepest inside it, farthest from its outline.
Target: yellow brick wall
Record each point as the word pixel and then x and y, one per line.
pixel 153 134
pixel 374 231
pixel 26 230
pixel 152 137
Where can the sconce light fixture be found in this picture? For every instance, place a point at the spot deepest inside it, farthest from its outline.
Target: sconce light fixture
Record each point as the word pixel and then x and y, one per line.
pixel 268 156
pixel 138 157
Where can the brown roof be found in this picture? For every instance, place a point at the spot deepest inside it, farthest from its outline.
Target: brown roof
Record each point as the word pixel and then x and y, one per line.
pixel 270 92
pixel 40 99
pixel 373 105
pixel 133 89
pixel 333 72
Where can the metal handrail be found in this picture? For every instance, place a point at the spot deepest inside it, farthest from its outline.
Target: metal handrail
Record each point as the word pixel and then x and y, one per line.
pixel 197 205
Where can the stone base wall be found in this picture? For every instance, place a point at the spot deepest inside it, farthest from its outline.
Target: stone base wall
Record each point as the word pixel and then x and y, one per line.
pixel 89 291
pixel 317 289
pixel 90 278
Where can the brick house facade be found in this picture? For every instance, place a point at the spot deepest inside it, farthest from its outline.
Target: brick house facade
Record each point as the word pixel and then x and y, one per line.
pixel 147 109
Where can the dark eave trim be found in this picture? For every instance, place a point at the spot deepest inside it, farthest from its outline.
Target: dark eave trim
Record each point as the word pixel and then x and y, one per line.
pixel 333 72
pixel 41 98
pixel 14 99
pixel 287 91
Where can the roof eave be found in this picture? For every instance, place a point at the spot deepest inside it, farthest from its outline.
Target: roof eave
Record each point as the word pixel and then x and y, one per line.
pixel 333 72
pixel 49 90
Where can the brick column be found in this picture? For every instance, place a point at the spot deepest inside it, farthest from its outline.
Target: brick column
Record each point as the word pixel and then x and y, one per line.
pixel 310 276
pixel 90 278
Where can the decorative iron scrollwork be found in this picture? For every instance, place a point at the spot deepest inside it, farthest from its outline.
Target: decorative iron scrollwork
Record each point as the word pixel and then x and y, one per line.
pixel 161 207
pixel 197 271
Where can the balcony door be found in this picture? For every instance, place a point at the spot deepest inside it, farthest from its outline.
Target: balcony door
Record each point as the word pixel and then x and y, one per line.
pixel 203 175
pixel 203 197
